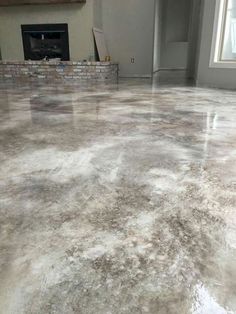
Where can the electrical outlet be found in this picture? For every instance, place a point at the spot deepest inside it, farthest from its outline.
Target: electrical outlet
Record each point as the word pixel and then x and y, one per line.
pixel 132 60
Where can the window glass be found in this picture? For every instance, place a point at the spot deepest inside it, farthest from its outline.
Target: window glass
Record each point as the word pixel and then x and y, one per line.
pixel 228 50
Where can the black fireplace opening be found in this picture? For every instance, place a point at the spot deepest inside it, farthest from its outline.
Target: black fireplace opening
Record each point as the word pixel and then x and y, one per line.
pixel 45 41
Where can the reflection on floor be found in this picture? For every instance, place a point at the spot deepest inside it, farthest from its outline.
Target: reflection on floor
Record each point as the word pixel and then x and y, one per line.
pixel 117 199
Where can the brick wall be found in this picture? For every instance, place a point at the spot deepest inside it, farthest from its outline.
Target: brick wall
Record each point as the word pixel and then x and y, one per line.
pixel 58 71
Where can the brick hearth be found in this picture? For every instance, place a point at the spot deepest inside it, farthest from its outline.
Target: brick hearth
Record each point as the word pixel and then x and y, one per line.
pixel 58 71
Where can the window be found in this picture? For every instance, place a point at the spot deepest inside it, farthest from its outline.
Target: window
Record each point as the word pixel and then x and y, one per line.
pixel 228 49
pixel 224 36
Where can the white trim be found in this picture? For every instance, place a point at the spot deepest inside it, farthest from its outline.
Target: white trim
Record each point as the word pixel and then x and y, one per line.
pixel 217 38
pixel 223 65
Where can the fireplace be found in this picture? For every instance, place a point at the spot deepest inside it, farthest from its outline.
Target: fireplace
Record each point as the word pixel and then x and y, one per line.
pixel 48 41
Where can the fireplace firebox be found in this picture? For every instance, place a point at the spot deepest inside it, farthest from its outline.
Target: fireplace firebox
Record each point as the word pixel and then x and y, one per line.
pixel 48 41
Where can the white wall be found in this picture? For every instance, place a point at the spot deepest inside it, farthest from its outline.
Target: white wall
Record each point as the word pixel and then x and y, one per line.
pixel 215 77
pixel 129 29
pixel 78 16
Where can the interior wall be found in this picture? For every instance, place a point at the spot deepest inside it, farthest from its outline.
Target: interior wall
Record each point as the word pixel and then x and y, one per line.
pixel 175 34
pixel 0 46
pixel 97 14
pixel 129 30
pixel 194 38
pixel 78 16
pixel 214 77
pixel 157 36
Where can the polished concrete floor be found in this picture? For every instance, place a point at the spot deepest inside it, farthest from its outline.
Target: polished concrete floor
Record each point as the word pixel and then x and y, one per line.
pixel 117 199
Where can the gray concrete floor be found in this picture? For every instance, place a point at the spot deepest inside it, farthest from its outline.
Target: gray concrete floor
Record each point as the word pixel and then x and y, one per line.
pixel 117 199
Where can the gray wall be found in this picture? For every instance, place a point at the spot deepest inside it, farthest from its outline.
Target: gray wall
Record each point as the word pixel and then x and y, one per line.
pixel 78 16
pixel 194 38
pixel 97 14
pixel 129 29
pixel 157 36
pixel 222 78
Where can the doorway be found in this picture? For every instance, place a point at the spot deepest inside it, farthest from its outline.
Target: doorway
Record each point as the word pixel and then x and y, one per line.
pixel 176 38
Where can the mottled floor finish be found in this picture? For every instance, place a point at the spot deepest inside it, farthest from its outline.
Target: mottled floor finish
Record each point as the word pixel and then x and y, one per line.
pixel 117 200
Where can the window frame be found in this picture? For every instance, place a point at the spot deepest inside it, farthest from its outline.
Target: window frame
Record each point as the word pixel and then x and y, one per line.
pixel 218 37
